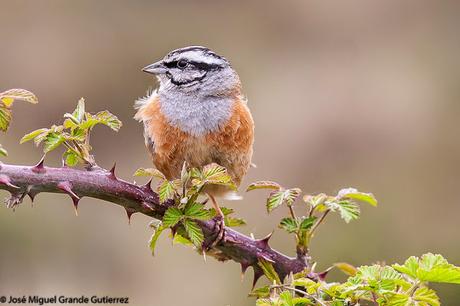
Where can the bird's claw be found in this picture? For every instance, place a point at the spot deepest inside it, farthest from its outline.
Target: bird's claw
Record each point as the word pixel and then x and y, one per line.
pixel 219 229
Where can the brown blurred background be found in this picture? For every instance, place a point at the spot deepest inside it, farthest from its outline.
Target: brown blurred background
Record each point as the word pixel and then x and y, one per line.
pixel 355 93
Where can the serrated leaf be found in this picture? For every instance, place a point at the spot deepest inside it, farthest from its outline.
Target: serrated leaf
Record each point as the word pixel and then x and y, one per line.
pixel 277 198
pixel 307 223
pixel 426 297
pixel 215 174
pixel 9 96
pixel 32 135
pixel 104 117
pixel 52 141
pixel 315 200
pixel 154 238
pixel 150 172
pixel 263 185
pixel 166 190
pixel 346 268
pixel 352 193
pixel 5 118
pixel 430 268
pixel 288 224
pixel 172 216
pixel 194 232
pixel 70 158
pixel 262 292
pixel 79 112
pixel 269 270
pixel 234 222
pixel 196 211
pixel 348 210
pixel 179 239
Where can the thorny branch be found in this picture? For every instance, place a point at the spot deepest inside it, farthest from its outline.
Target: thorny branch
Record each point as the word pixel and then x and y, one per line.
pixel 102 184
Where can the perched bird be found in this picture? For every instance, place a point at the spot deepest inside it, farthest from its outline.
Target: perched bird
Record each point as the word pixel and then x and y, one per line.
pixel 198 115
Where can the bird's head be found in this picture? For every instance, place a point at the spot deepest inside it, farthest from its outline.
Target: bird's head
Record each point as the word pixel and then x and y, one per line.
pixel 196 70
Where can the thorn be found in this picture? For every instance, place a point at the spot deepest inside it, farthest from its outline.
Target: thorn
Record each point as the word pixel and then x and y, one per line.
pixel 64 164
pixel 5 180
pixel 129 213
pixel 112 172
pixel 252 236
pixel 39 168
pixel 263 243
pixel 322 275
pixel 146 205
pixel 147 186
pixel 257 274
pixel 244 267
pixel 67 188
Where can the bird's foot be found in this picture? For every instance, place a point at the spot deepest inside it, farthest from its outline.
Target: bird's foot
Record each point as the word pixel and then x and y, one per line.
pixel 219 230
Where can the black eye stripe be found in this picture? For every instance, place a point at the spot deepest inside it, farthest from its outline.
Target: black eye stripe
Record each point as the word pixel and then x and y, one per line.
pixel 199 65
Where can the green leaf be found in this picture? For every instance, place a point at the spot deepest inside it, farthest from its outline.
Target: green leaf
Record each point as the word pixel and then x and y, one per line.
pixel 166 190
pixel 286 298
pixel 5 118
pixel 194 232
pixel 71 158
pixel 196 211
pixel 234 222
pixel 32 135
pixel 277 198
pixel 262 292
pixel 52 141
pixel 288 224
pixel 354 194
pixel 215 174
pixel 179 239
pixel 79 112
pixel 307 223
pixel 109 119
pixel 430 268
pixel 3 152
pixel 263 185
pixel 172 216
pixel 348 210
pixel 8 97
pixel 269 271
pixel 426 297
pixel 315 200
pixel 153 240
pixel 346 268
pixel 150 172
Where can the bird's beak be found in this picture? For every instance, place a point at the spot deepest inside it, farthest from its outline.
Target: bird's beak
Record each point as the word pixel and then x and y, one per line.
pixel 155 68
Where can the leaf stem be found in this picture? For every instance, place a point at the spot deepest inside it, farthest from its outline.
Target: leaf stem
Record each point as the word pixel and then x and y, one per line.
pixel 320 220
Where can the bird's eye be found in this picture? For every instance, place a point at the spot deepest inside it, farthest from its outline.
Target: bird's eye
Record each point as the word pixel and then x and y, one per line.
pixel 182 64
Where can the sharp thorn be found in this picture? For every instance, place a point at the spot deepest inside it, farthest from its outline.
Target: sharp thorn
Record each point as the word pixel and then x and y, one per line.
pixel 129 213
pixel 263 243
pixel 67 188
pixel 257 274
pixel 5 180
pixel 147 186
pixel 39 168
pixel 244 267
pixel 112 172
pixel 322 275
pixel 64 164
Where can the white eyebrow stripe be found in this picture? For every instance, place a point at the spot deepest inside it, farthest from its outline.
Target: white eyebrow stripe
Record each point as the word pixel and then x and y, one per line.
pixel 199 56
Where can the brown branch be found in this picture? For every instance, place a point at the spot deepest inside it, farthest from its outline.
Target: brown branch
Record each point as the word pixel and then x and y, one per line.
pixel 102 184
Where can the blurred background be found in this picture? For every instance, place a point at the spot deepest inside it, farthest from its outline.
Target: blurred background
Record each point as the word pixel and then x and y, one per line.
pixel 356 93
